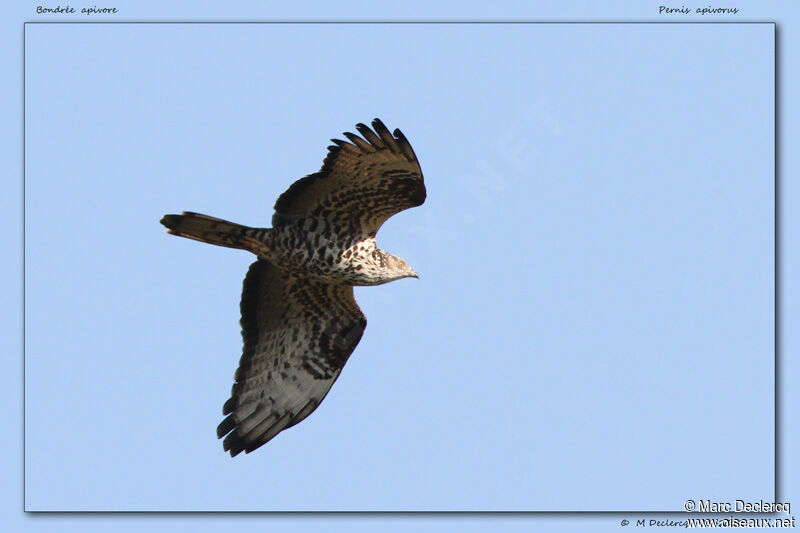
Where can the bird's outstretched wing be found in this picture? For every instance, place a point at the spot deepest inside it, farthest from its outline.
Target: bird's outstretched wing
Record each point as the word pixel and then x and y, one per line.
pixel 298 334
pixel 361 184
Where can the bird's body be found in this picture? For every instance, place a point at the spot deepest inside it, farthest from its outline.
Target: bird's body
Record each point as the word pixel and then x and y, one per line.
pixel 307 247
pixel 300 321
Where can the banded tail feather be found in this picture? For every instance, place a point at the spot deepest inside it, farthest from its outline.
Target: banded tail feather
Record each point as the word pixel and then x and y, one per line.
pixel 208 229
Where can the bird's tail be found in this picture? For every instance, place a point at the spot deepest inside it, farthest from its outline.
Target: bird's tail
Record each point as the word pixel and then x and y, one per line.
pixel 208 229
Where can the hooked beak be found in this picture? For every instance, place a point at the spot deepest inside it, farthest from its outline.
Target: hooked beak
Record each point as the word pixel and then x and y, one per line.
pixel 414 274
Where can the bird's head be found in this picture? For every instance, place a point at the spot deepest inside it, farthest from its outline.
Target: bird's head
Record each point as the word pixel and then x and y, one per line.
pixel 398 267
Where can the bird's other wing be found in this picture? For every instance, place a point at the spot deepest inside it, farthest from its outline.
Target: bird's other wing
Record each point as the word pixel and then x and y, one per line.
pixel 298 334
pixel 361 184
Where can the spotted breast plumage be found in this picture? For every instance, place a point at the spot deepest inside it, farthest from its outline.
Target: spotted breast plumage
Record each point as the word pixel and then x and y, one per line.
pixel 300 321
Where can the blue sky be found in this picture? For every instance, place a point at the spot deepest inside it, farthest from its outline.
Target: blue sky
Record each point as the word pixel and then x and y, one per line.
pixel 593 326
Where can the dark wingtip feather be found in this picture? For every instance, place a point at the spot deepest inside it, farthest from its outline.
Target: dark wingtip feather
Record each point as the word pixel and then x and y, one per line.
pixel 229 405
pixel 405 145
pixel 380 128
pixel 235 451
pixel 360 143
pixel 254 446
pixel 226 426
pixel 343 145
pixel 371 136
pixel 234 444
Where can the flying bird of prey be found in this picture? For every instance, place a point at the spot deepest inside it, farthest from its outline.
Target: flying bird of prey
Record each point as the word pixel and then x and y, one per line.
pixel 300 321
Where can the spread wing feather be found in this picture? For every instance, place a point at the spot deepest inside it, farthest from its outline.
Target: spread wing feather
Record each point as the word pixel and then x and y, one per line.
pixel 361 183
pixel 298 334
